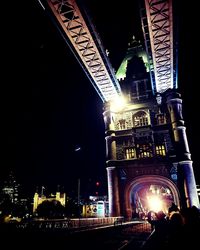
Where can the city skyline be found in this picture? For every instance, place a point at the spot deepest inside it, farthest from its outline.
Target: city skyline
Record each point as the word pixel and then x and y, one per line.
pixel 43 125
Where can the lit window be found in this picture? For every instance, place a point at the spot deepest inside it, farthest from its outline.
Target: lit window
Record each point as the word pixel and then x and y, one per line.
pixel 160 150
pixel 122 124
pixel 130 153
pixel 144 150
pixel 140 119
pixel 161 119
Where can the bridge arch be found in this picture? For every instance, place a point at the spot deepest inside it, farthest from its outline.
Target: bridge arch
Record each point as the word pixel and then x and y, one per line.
pixel 136 191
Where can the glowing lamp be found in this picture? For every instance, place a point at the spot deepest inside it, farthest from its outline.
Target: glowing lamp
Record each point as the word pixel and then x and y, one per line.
pixel 155 203
pixel 117 104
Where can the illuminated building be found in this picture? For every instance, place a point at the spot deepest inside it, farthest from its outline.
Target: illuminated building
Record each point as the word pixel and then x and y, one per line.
pixel 146 145
pixel 38 199
pixel 11 188
pixel 148 156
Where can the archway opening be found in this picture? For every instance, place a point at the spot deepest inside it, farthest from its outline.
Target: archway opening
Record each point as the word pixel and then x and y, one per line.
pixel 148 194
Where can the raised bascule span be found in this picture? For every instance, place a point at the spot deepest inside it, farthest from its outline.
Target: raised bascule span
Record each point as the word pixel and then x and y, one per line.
pixel 148 156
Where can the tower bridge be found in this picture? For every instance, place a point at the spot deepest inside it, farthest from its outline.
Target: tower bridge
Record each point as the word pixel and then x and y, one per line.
pixel 147 151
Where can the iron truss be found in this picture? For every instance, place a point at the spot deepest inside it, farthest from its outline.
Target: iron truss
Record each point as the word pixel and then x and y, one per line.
pixel 84 42
pixel 157 23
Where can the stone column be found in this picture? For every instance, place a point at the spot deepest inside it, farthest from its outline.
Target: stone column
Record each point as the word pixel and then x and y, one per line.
pixel 189 184
pixel 186 179
pixel 110 134
pixel 113 192
pixel 111 153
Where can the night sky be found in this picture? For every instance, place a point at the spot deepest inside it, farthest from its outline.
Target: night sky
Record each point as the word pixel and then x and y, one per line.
pixel 49 107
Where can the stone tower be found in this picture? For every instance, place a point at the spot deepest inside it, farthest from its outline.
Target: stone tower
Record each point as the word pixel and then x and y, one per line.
pixel 148 157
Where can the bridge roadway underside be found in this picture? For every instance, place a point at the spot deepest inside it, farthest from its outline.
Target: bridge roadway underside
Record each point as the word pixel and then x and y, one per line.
pixel 112 237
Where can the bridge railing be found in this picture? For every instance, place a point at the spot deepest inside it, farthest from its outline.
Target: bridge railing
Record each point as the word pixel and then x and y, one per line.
pixel 66 223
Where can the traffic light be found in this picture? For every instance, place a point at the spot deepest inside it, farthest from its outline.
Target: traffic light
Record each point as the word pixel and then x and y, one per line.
pixel 97 188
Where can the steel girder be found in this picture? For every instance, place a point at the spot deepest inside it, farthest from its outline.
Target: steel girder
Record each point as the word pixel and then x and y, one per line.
pixel 87 47
pixel 157 23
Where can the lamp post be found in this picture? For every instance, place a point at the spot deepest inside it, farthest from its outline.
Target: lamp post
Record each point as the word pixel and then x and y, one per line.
pixel 79 184
pixel 78 200
pixel 77 150
pixel 78 194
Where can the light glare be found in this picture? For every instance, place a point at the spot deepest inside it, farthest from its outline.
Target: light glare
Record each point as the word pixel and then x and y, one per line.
pixel 155 203
pixel 118 103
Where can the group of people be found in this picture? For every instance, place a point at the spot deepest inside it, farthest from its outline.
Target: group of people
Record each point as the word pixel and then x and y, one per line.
pixel 179 227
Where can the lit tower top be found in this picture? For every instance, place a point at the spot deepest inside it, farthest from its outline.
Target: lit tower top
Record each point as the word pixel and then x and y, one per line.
pixel 82 38
pixel 135 48
pixel 157 24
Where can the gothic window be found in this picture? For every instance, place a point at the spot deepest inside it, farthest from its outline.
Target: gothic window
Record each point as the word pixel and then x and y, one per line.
pixel 140 119
pixel 122 124
pixel 173 173
pixel 130 153
pixel 161 119
pixel 160 150
pixel 144 150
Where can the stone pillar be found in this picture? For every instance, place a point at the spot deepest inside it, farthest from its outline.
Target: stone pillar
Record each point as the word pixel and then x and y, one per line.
pixel 111 153
pixel 110 134
pixel 113 192
pixel 186 180
pixel 189 184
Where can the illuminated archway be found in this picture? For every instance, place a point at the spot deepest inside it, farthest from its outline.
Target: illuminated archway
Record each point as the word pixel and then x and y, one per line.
pixel 142 191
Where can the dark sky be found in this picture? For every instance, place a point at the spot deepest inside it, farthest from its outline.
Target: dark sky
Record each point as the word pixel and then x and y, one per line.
pixel 48 105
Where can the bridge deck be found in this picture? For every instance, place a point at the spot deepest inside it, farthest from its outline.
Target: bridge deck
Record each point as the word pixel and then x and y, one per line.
pixel 101 237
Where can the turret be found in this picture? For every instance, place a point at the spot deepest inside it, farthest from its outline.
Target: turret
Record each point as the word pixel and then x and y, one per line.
pixel 186 179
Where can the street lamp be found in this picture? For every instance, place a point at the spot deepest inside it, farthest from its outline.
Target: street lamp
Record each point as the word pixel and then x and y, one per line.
pixel 78 196
pixel 78 149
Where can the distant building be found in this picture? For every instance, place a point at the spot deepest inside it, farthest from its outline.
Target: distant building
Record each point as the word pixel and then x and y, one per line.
pixel 11 188
pixel 39 198
pixel 98 198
